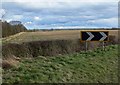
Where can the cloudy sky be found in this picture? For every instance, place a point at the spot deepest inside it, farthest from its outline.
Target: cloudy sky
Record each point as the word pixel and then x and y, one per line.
pixel 44 14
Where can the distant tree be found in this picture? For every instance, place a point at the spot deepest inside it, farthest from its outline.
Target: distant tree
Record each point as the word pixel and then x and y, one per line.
pixel 8 29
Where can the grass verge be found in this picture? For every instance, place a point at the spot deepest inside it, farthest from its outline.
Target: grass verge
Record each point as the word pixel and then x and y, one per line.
pixel 86 67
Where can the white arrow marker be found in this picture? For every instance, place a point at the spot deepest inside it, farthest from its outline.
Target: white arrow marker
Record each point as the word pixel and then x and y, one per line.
pixel 104 36
pixel 91 36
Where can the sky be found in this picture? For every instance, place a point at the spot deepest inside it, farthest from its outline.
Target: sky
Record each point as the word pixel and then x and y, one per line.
pixel 61 14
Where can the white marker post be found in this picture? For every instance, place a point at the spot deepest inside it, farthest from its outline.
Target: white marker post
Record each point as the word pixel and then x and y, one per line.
pixel 102 39
pixel 103 45
pixel 89 39
pixel 86 46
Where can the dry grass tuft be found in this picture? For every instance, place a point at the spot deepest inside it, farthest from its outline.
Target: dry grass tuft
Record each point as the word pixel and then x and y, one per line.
pixel 10 62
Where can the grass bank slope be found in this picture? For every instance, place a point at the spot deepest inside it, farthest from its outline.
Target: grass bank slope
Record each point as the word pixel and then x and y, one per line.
pixel 91 67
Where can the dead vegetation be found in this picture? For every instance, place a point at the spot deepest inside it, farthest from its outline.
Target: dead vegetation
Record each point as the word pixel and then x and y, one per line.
pixel 50 47
pixel 10 61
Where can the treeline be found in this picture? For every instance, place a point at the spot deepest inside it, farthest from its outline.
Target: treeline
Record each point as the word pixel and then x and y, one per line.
pixel 34 30
pixel 8 29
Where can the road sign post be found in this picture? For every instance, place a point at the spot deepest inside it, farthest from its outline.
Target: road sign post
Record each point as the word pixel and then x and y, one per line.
pixel 86 46
pixel 103 45
pixel 89 36
pixel 94 36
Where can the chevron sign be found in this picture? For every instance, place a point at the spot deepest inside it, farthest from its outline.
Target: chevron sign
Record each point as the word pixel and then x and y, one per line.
pixel 94 35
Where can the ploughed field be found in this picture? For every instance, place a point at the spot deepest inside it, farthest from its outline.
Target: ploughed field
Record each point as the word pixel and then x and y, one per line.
pixel 50 35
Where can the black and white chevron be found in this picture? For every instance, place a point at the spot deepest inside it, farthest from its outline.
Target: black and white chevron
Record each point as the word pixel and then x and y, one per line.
pixel 94 36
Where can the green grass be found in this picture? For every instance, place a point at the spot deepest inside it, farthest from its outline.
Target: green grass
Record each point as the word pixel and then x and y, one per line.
pixel 85 67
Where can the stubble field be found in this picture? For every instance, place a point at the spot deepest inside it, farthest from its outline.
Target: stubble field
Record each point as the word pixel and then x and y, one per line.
pixel 51 35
